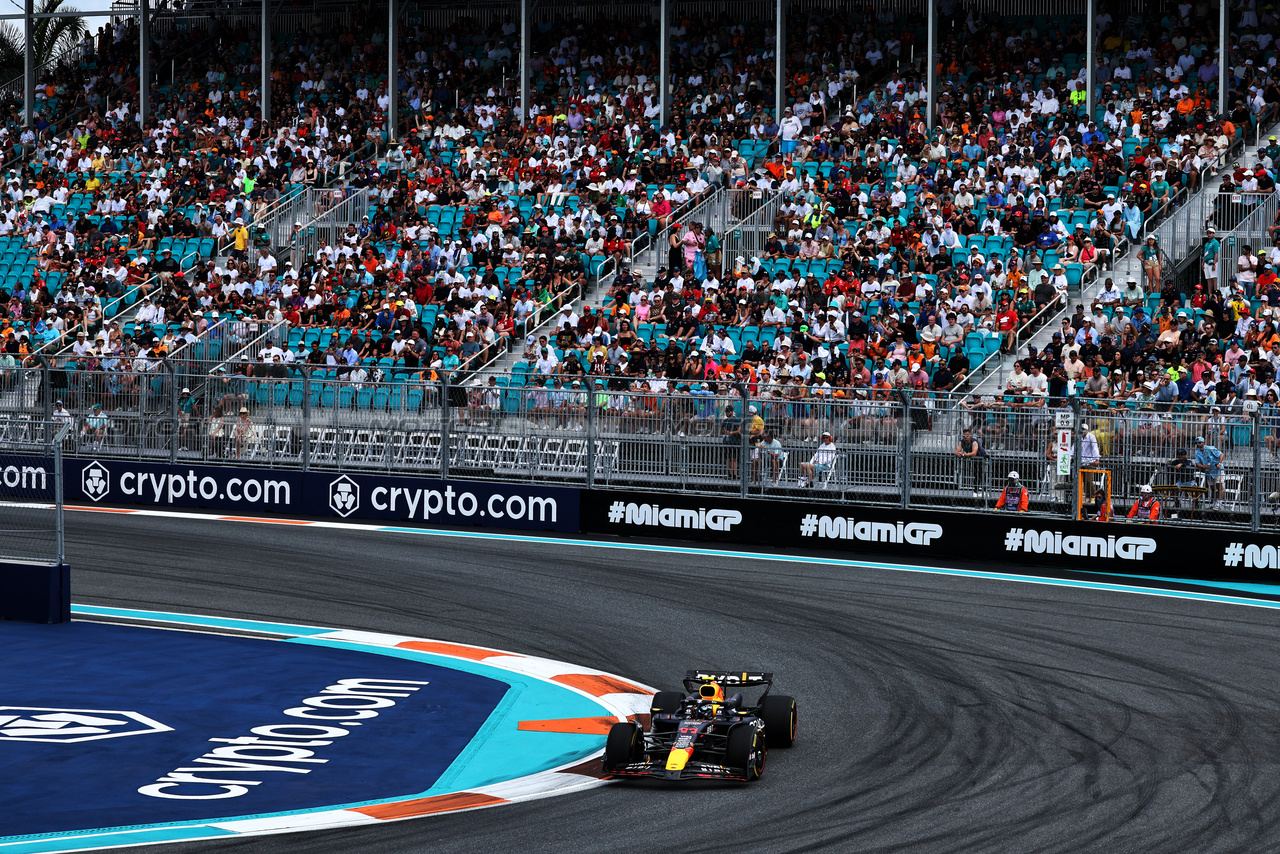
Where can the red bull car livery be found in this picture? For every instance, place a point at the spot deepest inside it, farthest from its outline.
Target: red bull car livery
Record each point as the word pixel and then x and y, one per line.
pixel 704 731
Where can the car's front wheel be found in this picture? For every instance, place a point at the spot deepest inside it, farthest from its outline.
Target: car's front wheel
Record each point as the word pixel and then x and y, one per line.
pixel 746 750
pixel 666 702
pixel 624 745
pixel 779 716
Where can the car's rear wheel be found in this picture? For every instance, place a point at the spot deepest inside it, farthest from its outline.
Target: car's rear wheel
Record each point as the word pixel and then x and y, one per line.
pixel 780 718
pixel 745 749
pixel 666 702
pixel 624 745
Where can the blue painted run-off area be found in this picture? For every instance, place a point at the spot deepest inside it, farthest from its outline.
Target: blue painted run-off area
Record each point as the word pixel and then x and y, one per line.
pixel 210 687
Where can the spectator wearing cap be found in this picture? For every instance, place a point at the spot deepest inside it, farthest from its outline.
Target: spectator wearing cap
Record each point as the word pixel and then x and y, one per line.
pixel 823 461
pixel 1133 294
pixel 166 266
pixel 94 429
pixel 1210 254
pixel 1208 461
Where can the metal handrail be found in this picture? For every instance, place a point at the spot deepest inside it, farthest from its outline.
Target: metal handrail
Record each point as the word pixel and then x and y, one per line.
pixel 14 88
pixel 244 353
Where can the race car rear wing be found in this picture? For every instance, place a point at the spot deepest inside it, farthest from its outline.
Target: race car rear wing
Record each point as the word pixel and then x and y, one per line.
pixel 725 677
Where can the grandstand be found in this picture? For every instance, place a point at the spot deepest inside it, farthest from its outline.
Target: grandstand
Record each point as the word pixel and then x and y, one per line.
pixel 872 224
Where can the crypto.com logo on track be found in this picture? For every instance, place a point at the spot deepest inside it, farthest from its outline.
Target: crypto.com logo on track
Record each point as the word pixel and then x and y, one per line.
pixel 68 726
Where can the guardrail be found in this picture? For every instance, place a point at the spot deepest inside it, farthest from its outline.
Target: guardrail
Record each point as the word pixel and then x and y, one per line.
pixel 890 446
pixel 332 211
pixel 69 53
pixel 752 213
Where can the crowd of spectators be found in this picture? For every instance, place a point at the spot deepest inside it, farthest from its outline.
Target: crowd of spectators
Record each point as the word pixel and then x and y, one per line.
pixel 900 256
pixel 898 259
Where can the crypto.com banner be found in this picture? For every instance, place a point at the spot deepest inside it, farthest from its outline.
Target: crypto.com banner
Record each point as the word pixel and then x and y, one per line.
pixel 252 491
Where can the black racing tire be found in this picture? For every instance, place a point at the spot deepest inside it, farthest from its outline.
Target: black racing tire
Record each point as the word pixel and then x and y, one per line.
pixel 779 715
pixel 624 745
pixel 666 702
pixel 746 749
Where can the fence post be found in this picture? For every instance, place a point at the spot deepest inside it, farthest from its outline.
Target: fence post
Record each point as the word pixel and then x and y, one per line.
pixel 904 449
pixel 744 441
pixel 173 409
pixel 591 436
pixel 1077 423
pixel 306 417
pixel 59 520
pixel 1255 511
pixel 444 425
pixel 46 380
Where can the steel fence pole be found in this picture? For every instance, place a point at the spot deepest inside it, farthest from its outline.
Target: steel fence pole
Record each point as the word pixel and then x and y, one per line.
pixel 264 66
pixel 780 62
pixel 393 70
pixel 28 64
pixel 744 441
pixel 444 425
pixel 931 64
pixel 1224 61
pixel 173 410
pixel 306 417
pixel 1255 511
pixel 144 61
pixel 59 520
pixel 591 437
pixel 904 450
pixel 1077 425
pixel 664 62
pixel 46 384
pixel 1091 52
pixel 526 50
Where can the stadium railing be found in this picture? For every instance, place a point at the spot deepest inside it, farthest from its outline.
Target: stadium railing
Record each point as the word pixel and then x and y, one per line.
pixel 894 447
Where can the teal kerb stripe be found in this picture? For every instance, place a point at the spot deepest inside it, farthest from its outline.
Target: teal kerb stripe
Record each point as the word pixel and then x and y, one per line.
pixel 200 620
pixel 178 833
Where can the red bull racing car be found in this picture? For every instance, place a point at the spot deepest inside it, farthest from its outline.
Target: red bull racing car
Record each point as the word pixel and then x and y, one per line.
pixel 700 733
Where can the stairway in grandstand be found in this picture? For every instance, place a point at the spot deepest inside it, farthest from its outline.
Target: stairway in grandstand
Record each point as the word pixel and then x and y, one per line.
pixel 1127 265
pixel 648 254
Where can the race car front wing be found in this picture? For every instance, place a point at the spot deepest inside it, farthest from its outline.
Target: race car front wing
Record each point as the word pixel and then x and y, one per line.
pixel 693 770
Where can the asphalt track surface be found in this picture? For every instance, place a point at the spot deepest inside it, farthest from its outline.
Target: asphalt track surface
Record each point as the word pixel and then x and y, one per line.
pixel 936 713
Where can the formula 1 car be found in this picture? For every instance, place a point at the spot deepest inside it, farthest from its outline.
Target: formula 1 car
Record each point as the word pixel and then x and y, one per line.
pixel 698 733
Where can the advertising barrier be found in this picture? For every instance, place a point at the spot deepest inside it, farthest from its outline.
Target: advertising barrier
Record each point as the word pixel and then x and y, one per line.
pixel 1007 538
pixel 165 485
pixel 1035 541
pixel 345 496
pixel 440 502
